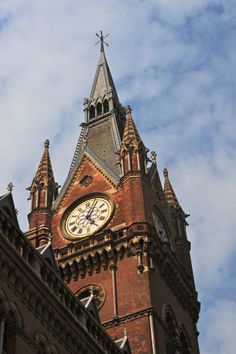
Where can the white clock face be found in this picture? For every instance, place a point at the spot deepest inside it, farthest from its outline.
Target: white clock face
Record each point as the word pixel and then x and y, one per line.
pixel 88 217
pixel 161 232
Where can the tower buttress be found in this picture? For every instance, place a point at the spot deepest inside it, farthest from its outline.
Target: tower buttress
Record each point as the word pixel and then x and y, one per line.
pixel 43 191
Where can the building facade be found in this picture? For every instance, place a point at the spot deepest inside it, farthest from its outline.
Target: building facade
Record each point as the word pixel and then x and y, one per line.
pixel 116 232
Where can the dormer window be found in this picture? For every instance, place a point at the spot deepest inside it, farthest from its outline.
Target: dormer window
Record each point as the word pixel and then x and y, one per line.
pixel 106 106
pixel 99 108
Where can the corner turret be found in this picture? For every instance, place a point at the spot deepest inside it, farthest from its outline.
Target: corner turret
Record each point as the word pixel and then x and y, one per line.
pixel 43 191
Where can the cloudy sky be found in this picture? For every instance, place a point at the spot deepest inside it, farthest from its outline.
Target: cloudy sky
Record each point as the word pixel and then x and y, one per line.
pixel 174 62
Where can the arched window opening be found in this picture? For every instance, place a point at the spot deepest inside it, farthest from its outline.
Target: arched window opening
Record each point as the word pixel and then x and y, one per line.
pixel 99 108
pixel 170 325
pixel 106 106
pixel 184 344
pixel 92 112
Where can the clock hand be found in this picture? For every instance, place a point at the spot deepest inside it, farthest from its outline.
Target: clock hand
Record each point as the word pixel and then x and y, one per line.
pixel 92 208
pixel 92 221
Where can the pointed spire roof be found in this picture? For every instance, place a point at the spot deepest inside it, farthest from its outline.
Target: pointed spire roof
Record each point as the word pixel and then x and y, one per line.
pixel 103 82
pixel 131 135
pixel 45 167
pixel 169 191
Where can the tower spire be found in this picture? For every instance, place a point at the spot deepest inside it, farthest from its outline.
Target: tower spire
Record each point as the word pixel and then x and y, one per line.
pixel 103 88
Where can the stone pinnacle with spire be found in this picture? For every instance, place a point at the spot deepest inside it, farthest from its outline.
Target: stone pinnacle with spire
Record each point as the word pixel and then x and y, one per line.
pixel 43 189
pixel 132 152
pixel 169 193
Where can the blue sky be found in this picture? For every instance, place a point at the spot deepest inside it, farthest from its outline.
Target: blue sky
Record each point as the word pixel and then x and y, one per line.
pixel 174 63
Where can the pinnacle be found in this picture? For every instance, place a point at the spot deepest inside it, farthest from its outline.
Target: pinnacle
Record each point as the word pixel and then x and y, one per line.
pixel 45 167
pixel 131 135
pixel 169 191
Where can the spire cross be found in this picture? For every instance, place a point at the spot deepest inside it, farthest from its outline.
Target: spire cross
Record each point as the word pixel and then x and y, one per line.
pixel 101 40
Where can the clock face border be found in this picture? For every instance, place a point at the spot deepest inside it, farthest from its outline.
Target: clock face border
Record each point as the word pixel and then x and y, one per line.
pixel 66 235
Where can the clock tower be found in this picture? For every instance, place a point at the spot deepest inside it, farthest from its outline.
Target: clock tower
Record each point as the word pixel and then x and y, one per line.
pixel 117 232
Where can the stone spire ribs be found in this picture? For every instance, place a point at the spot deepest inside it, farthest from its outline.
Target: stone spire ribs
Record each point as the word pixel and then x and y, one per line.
pixel 43 191
pixel 133 153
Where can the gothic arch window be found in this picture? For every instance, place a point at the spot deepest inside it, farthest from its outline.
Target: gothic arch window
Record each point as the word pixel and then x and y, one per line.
pixel 106 106
pixel 92 112
pixel 99 109
pixel 97 291
pixel 171 327
pixel 184 341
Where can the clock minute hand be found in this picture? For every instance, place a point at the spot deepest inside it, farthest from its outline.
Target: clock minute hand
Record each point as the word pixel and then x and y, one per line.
pixel 91 209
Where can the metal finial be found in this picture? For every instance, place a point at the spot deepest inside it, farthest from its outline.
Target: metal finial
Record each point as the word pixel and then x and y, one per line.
pixel 46 144
pixel 125 332
pixel 165 172
pixel 101 39
pixel 10 187
pixel 153 156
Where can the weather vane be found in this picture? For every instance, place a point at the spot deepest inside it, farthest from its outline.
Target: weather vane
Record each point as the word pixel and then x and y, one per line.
pixel 101 40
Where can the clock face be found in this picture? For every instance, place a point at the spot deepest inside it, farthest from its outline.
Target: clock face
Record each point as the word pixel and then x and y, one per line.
pixel 161 232
pixel 88 217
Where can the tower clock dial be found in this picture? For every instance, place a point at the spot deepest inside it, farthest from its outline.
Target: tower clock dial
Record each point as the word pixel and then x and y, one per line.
pixel 161 232
pixel 88 217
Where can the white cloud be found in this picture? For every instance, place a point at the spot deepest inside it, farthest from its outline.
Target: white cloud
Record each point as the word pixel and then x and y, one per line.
pixel 219 326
